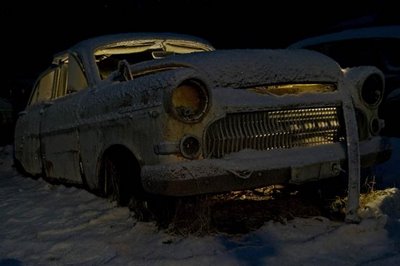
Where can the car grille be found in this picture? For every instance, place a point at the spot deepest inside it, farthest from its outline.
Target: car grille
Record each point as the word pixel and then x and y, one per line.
pixel 267 130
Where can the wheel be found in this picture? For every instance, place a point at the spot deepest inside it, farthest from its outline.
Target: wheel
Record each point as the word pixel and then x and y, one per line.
pixel 117 184
pixel 121 183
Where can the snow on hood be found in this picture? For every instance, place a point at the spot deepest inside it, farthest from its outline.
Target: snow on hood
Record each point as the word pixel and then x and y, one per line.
pixel 244 68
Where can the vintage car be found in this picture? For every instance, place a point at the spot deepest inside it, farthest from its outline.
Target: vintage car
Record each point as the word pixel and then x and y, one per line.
pixel 128 116
pixel 375 46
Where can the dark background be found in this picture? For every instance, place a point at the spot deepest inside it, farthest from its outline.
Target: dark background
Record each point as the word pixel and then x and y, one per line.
pixel 33 32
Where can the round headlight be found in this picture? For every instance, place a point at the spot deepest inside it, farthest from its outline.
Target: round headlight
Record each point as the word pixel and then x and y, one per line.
pixel 190 147
pixel 375 126
pixel 372 90
pixel 190 101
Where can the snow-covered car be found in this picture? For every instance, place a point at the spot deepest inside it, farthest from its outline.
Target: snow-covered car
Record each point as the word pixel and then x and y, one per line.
pixel 376 46
pixel 141 114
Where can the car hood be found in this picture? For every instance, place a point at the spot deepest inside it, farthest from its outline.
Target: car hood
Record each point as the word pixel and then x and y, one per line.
pixel 245 68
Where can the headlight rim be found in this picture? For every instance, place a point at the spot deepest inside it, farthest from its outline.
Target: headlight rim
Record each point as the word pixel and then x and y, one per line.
pixel 184 151
pixel 367 102
pixel 375 126
pixel 205 106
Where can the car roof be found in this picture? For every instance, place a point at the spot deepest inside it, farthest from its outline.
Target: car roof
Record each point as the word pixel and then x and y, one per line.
pixel 391 32
pixel 95 42
pixel 92 43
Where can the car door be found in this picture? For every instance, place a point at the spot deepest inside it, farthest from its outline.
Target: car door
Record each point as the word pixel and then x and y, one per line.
pixel 27 130
pixel 59 125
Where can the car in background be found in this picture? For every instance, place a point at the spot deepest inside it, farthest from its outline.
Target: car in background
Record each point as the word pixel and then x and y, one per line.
pixel 136 115
pixel 376 46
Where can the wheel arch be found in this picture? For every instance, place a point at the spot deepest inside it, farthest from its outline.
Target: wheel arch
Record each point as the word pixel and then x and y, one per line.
pixel 120 153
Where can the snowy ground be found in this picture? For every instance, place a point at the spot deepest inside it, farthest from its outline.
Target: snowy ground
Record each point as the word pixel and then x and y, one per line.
pixel 43 224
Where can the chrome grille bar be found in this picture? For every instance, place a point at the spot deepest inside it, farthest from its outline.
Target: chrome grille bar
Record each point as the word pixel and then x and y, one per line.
pixel 267 130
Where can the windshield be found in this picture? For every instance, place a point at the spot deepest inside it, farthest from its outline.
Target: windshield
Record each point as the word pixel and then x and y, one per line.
pixel 136 51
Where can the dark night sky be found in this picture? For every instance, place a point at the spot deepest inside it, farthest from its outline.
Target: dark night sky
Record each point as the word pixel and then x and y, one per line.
pixel 30 41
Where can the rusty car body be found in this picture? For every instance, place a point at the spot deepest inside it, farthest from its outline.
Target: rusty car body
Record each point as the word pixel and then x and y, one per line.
pixel 105 117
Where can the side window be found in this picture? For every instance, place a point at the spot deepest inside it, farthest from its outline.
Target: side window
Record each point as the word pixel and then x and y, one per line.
pixel 76 76
pixel 65 78
pixel 43 89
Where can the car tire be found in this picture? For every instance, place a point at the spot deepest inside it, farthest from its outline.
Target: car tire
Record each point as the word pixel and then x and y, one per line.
pixel 116 181
pixel 121 184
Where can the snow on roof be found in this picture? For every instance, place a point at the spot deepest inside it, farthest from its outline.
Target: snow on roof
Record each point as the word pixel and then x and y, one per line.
pixel 92 43
pixel 361 33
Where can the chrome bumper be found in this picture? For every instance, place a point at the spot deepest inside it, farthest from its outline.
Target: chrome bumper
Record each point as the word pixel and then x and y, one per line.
pixel 249 169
